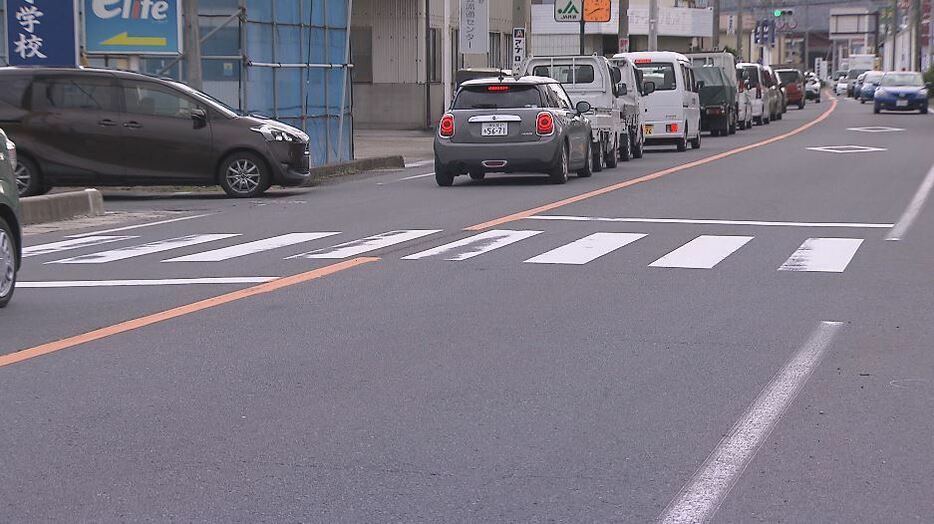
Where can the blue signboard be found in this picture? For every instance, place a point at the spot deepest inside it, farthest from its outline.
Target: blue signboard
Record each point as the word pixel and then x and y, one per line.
pixel 133 27
pixel 42 32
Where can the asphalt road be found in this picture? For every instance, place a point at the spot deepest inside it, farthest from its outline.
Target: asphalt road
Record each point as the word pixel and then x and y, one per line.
pixel 738 333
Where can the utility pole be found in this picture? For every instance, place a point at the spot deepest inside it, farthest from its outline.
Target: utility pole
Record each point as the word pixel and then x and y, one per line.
pixel 894 32
pixel 807 37
pixel 446 54
pixel 715 39
pixel 739 29
pixel 624 25
pixel 653 25
pixel 916 35
pixel 192 45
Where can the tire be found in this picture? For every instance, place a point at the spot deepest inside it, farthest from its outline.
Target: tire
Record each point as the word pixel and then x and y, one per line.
pixel 476 175
pixel 695 142
pixel 778 116
pixel 731 126
pixel 817 101
pixel 876 108
pixel 801 104
pixel 624 152
pixel 766 121
pixel 923 110
pixel 28 178
pixel 444 175
pixel 244 175
pixel 862 101
pixel 587 170
pixel 8 263
pixel 757 120
pixel 559 172
pixel 600 158
pixel 682 144
pixel 639 145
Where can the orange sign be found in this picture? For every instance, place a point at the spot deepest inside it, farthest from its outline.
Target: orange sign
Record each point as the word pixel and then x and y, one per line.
pixel 597 10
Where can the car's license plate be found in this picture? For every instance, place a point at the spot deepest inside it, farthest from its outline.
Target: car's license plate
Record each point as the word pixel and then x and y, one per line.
pixel 494 129
pixel 649 128
pixel 901 103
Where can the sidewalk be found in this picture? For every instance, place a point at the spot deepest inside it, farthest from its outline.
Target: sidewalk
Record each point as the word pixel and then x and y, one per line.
pixel 412 145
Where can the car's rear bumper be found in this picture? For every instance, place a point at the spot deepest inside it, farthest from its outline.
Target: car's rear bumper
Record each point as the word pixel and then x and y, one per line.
pixel 718 122
pixel 506 157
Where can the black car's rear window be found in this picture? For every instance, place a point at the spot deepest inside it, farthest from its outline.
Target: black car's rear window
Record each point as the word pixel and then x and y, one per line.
pixel 496 96
pixel 788 77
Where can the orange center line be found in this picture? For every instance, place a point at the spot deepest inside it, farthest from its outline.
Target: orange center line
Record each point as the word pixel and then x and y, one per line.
pixel 651 176
pixel 148 320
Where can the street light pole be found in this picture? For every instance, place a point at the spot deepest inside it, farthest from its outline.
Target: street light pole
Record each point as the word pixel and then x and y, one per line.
pixel 739 29
pixel 446 54
pixel 916 35
pixel 653 25
pixel 715 38
pixel 624 25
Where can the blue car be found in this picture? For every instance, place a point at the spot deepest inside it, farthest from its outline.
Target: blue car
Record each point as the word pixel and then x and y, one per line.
pixel 903 91
pixel 870 83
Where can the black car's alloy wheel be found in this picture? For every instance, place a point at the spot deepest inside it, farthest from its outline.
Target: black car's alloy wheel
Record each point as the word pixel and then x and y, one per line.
pixel 244 175
pixel 7 263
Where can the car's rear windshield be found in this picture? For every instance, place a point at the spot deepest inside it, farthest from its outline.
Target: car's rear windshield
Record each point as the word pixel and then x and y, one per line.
pixel 710 76
pixel 661 73
pixel 787 77
pixel 566 73
pixel 752 74
pixel 496 96
pixel 902 79
pixel 853 73
pixel 873 77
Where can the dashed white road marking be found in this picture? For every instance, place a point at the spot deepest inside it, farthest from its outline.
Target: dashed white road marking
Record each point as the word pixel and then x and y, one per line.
pixel 138 226
pixel 75 243
pixel 914 207
pixel 710 221
pixel 704 252
pixel 365 245
pixel 586 249
pixel 64 284
pixel 824 255
pixel 699 500
pixel 413 177
pixel 475 245
pixel 251 248
pixel 142 249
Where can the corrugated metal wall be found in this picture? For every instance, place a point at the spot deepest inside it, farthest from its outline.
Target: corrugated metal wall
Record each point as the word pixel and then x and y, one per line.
pixel 398 35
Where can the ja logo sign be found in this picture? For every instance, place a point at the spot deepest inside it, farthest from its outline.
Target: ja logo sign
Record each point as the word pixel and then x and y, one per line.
pixel 568 10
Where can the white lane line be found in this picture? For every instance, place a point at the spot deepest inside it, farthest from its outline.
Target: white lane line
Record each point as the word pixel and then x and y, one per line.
pixel 251 248
pixel 142 249
pixel 138 226
pixel 824 255
pixel 63 284
pixel 586 249
pixel 413 177
pixel 475 245
pixel 364 245
pixel 704 252
pixel 702 496
pixel 706 221
pixel 75 243
pixel 911 212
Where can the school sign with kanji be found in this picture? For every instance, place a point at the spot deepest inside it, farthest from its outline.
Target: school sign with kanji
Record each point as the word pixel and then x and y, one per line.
pixel 42 32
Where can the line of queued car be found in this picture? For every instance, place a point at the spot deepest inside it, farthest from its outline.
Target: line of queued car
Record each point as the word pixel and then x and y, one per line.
pixel 580 114
pixel 887 90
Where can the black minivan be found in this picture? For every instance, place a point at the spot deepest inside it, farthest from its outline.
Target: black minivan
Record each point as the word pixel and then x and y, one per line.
pixel 104 127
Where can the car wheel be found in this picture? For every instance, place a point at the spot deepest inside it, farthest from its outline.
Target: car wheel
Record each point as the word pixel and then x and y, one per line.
pixel 587 170
pixel 639 145
pixel 766 120
pixel 599 158
pixel 924 110
pixel 244 175
pixel 444 176
pixel 695 142
pixel 876 108
pixel 559 172
pixel 28 178
pixel 8 252
pixel 757 120
pixel 801 104
pixel 817 101
pixel 475 175
pixel 778 116
pixel 731 127
pixel 682 143
pixel 625 149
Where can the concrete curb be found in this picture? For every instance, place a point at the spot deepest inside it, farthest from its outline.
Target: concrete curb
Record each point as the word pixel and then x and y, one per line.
pixel 356 166
pixel 61 206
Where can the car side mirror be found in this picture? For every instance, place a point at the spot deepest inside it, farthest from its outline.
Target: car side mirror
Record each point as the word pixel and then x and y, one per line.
pixel 623 89
pixel 648 87
pixel 199 117
pixel 700 84
pixel 582 107
pixel 929 85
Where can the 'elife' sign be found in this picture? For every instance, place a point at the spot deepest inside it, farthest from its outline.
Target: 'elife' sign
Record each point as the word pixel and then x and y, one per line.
pixel 42 32
pixel 133 27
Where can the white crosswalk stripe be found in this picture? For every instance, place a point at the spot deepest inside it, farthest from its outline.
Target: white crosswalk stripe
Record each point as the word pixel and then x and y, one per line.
pixel 475 245
pixel 586 249
pixel 823 255
pixel 704 252
pixel 365 245
pixel 251 248
pixel 74 243
pixel 142 249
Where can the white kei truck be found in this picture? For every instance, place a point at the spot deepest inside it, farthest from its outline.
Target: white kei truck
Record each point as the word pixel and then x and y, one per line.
pixel 614 91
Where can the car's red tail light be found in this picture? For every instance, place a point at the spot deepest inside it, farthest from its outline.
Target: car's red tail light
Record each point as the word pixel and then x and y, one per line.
pixel 497 88
pixel 446 129
pixel 672 128
pixel 544 123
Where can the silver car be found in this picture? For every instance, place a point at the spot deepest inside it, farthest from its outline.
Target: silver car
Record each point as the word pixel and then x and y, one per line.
pixel 508 125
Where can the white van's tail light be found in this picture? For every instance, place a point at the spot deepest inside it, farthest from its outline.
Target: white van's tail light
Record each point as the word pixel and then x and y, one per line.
pixel 446 128
pixel 544 124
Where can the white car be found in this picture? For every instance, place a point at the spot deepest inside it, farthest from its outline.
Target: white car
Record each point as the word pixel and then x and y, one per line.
pixel 840 87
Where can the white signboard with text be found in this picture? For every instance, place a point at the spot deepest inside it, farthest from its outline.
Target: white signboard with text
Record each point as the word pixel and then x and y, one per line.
pixel 474 27
pixel 518 47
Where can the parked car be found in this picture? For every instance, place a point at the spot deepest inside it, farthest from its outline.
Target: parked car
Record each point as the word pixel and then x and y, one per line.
pixel 792 80
pixel 509 125
pixel 613 92
pixel 851 76
pixel 673 109
pixel 841 86
pixel 764 103
pixel 104 127
pixel 781 104
pixel 717 100
pixel 902 91
pixel 858 86
pixel 870 82
pixel 726 62
pixel 812 88
pixel 11 237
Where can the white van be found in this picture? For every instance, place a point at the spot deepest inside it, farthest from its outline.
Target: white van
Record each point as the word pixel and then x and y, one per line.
pixel 672 111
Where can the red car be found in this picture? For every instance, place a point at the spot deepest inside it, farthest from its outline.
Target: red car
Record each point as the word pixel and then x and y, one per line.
pixel 792 81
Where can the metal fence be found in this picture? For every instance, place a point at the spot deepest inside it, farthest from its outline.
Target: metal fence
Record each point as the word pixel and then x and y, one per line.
pixel 286 59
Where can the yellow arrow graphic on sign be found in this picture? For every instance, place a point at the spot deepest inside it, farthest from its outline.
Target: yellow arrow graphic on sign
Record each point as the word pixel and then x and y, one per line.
pixel 126 39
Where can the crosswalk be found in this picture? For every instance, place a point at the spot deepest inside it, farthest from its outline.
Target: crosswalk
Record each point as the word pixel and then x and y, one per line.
pixel 704 252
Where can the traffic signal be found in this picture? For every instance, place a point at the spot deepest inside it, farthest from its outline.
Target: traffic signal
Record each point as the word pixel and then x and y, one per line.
pixel 783 12
pixel 767 33
pixel 757 34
